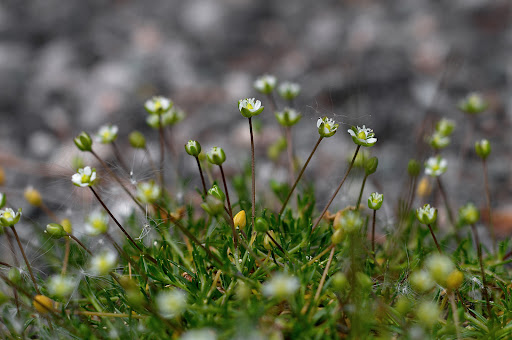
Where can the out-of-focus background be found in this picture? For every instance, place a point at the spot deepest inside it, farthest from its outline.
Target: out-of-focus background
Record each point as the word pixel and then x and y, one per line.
pixel 67 66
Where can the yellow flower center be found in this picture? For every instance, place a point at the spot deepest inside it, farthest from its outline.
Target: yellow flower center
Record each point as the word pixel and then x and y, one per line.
pixel 7 215
pixel 361 135
pixel 249 106
pixel 85 178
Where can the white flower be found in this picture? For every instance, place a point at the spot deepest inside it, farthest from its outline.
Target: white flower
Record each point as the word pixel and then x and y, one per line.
pixel 326 127
pixel 439 141
pixel 265 84
pixel 96 223
pixel 421 281
pixel 103 263
pixel 249 107
pixel 440 267
pixel 426 214
pixel 362 136
pixel 148 192
pixel 158 105
pixel 8 217
pixel 61 286
pixel 85 177
pixel 436 166
pixel 288 90
pixel 107 134
pixel 171 303
pixel 281 286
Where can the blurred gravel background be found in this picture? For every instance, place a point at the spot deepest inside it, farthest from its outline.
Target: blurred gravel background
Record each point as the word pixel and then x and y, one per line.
pixel 68 66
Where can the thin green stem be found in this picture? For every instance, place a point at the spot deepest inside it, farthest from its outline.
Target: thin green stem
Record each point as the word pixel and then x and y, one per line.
pixel 80 244
pixel 373 231
pixel 300 176
pixel 205 192
pixel 361 192
pixel 482 270
pixel 253 210
pixel 162 151
pixel 435 239
pixel 29 267
pixel 455 314
pixel 289 151
pixel 488 202
pixel 230 211
pixel 338 189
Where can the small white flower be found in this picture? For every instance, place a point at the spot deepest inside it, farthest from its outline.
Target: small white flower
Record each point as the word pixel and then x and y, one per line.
pixel 436 166
pixel 439 141
pixel 103 263
pixel 288 90
pixel 158 105
pixel 281 286
pixel 8 217
pixel 61 286
pixel 440 267
pixel 265 84
pixel 362 136
pixel 199 334
pixel 148 192
pixel 107 134
pixel 426 214
pixel 326 127
pixel 96 223
pixel 171 303
pixel 249 107
pixel 85 177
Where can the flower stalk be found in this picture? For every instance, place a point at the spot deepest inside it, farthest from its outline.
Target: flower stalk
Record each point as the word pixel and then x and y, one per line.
pixel 29 267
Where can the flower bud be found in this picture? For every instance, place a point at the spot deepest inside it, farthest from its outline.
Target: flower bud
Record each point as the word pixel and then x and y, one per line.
pixel 428 313
pixel 260 225
pixel 413 168
pixel 424 187
pixel 370 166
pixel 267 241
pixel 43 304
pixel 240 220
pixel 265 84
pixel 445 126
pixel 55 230
pixel 61 286
pixel 469 214
pixel 364 281
pixel 83 141
pixel 14 275
pixel 137 140
pixel 8 217
pixel 249 107
pixel 33 196
pixel 440 267
pixel 288 117
pixel 421 281
pixel 216 156
pixel 3 198
pixel 454 280
pixel 288 90
pixel 338 236
pixel 213 206
pixel 193 148
pixel 426 214
pixel 66 224
pixel 473 104
pixel 483 148
pixel 215 191
pixel 375 201
pixel 339 281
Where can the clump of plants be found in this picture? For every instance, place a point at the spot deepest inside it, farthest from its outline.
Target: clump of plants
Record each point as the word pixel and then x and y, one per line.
pixel 221 263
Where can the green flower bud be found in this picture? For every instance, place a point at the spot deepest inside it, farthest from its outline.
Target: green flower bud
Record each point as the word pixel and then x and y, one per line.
pixel 215 191
pixel 440 267
pixel 483 148
pixel 469 214
pixel 193 148
pixel 375 201
pixel 213 206
pixel 428 313
pixel 55 230
pixel 288 117
pixel 14 275
pixel 426 214
pixel 83 141
pixel 288 90
pixel 216 156
pixel 421 281
pixel 370 166
pixel 338 236
pixel 413 168
pixel 260 225
pixel 364 280
pixel 403 305
pixel 473 104
pixel 445 126
pixel 265 84
pixel 137 140
pixel 339 281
